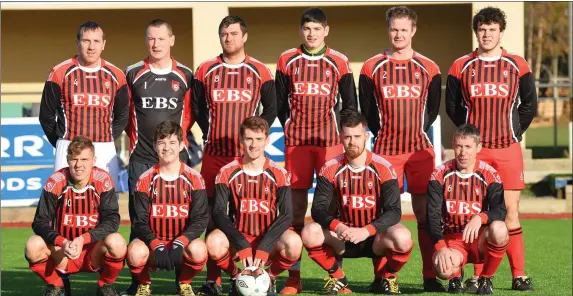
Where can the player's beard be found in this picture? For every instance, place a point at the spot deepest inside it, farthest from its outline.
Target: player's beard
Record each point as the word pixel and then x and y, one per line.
pixel 355 152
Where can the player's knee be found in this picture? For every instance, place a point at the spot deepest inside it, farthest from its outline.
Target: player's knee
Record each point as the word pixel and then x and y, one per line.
pixel 115 245
pixel 137 253
pixel 36 249
pixel 312 235
pixel 217 243
pixel 292 244
pixel 196 249
pixel 498 233
pixel 401 238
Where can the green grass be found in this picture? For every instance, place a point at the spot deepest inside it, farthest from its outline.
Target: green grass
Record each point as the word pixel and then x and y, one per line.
pixel 540 140
pixel 548 262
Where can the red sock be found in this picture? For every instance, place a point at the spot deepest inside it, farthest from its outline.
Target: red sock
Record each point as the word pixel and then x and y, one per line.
pixel 516 252
pixel 190 269
pixel 493 256
pixel 478 269
pixel 324 257
pixel 226 264
pixel 145 276
pixel 378 263
pixel 280 264
pixel 110 269
pixel 46 269
pixel 427 250
pixel 396 260
pixel 136 270
pixel 213 271
pixel 294 269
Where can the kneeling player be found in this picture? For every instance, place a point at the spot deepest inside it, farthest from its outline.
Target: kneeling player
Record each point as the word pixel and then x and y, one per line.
pixel 467 195
pixel 75 224
pixel 170 214
pixel 365 188
pixel 258 193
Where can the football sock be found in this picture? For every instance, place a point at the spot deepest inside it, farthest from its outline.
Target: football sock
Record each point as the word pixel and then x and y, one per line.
pixel 478 269
pixel 396 260
pixel 190 269
pixel 379 263
pixel 280 264
pixel 226 264
pixel 110 269
pixel 145 276
pixel 427 250
pixel 324 257
pixel 213 271
pixel 493 256
pixel 515 252
pixel 46 269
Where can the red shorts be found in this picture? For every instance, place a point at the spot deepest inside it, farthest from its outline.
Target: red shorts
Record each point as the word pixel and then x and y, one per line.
pixel 302 161
pixel 83 263
pixel 470 251
pixel 210 167
pixel 508 162
pixel 418 167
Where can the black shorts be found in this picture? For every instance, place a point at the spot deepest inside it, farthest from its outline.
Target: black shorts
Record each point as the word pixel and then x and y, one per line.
pixel 360 250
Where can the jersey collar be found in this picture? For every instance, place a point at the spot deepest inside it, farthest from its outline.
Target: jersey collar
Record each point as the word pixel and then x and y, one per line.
pixel 233 66
pixel 503 53
pixel 160 71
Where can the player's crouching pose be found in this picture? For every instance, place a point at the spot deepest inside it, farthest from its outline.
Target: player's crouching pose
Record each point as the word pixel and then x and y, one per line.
pixel 365 188
pixel 75 224
pixel 170 215
pixel 471 191
pixel 258 194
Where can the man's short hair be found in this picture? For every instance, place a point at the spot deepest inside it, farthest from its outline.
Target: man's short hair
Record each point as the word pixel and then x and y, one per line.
pixel 233 19
pixel 254 123
pixel 158 23
pixel 78 145
pixel 166 129
pixel 401 12
pixel 489 15
pixel 314 15
pixel 468 130
pixel 351 118
pixel 88 26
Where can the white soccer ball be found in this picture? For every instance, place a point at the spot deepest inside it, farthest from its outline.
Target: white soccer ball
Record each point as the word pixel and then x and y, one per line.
pixel 253 281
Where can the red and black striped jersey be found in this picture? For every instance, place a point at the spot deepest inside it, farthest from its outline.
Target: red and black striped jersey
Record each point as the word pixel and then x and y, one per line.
pixel 170 207
pixel 225 95
pixel 366 197
pixel 309 88
pixel 91 102
pixel 65 212
pixel 156 96
pixel 258 203
pixel 455 197
pixel 401 100
pixel 496 94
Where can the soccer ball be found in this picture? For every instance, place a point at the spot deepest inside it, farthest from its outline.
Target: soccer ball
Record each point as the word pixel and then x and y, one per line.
pixel 253 281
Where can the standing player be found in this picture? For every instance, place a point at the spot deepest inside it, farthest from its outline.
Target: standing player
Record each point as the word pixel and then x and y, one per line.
pixel 495 91
pixel 465 212
pixel 400 93
pixel 310 80
pixel 229 88
pixel 76 224
pixel 257 193
pixel 364 188
pixel 88 96
pixel 160 89
pixel 170 215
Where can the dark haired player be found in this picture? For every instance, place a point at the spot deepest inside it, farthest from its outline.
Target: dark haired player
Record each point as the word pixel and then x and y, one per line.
pixel 495 91
pixel 364 189
pixel 400 93
pixel 311 80
pixel 229 88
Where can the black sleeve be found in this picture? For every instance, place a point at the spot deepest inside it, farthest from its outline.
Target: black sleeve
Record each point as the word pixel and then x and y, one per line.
pixel 528 96
pixel 368 105
pixel 198 215
pixel 222 220
pixel 51 100
pixel 108 216
pixel 391 207
pixel 269 101
pixel 282 92
pixel 434 206
pixel 347 90
pixel 323 196
pixel 496 203
pixel 454 101
pixel 140 220
pixel 433 100
pixel 199 107
pixel 283 221
pixel 45 217
pixel 120 112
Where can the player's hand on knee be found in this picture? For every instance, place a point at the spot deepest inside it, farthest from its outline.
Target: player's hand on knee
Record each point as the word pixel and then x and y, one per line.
pixel 176 254
pixel 357 235
pixel 444 260
pixel 471 231
pixel 162 257
pixel 69 249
